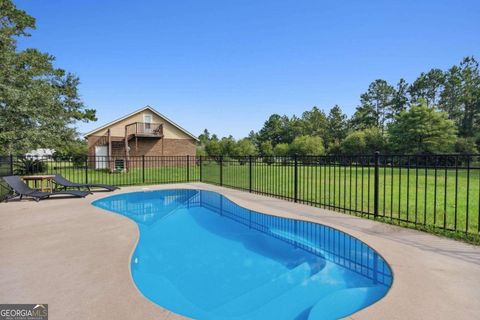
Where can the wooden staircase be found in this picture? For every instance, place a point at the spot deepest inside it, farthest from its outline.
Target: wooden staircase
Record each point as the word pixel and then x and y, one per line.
pixel 118 147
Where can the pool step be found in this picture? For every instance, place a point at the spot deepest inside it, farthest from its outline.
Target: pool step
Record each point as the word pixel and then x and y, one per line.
pixel 296 302
pixel 257 297
pixel 290 298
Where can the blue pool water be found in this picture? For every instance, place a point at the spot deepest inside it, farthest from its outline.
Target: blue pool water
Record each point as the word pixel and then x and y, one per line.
pixel 203 256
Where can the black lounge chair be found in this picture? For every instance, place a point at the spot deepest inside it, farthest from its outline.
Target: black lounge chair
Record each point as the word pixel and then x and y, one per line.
pixel 61 181
pixel 21 189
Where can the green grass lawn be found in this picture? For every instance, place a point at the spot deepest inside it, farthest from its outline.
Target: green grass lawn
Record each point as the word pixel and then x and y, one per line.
pixel 134 176
pixel 430 198
pixel 434 198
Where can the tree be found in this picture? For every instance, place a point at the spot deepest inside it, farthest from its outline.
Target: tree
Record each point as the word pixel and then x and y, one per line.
pixel 465 146
pixel 245 147
pixel 228 146
pixel 200 151
pixel 455 91
pixel 314 123
pixel 376 104
pixel 422 130
pixel 281 150
pixel 39 104
pixel 400 98
pixel 75 151
pixel 428 87
pixel 363 142
pixel 307 145
pixel 354 144
pixel 337 125
pixel 204 137
pixel 375 141
pixel 294 128
pixel 266 149
pixel 364 118
pixel 204 140
pixel 76 147
pixel 461 96
pixel 213 148
pixel 274 129
pixel 334 148
pixel 253 136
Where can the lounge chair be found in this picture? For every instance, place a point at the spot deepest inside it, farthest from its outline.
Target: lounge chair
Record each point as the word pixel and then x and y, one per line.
pixel 61 181
pixel 21 189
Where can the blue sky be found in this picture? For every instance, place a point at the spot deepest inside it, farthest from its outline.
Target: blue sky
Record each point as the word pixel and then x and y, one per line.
pixel 227 65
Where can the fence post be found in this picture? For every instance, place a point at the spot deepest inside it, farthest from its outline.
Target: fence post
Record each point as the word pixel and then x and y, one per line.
pixel 11 164
pixel 143 168
pixel 250 173
pixel 221 170
pixel 376 185
pixel 200 163
pixel 86 169
pixel 295 179
pixel 188 168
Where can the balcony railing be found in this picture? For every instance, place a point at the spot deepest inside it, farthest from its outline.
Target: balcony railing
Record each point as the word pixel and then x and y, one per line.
pixel 143 129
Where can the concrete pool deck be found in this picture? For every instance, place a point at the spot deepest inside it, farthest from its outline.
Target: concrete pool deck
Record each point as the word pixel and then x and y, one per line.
pixel 76 258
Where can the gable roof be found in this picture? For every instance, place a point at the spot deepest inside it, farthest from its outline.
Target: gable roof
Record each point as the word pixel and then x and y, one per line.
pixel 138 111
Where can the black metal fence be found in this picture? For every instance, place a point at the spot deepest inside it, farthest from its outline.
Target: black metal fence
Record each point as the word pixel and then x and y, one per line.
pixel 108 170
pixel 430 191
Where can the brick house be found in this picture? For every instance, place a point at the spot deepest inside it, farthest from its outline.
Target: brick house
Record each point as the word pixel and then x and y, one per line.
pixel 121 143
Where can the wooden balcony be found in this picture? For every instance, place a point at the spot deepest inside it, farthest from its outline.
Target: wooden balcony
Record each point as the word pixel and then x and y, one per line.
pixel 142 129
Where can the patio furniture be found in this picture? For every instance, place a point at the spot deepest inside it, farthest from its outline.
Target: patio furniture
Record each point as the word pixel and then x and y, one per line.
pixel 22 190
pixel 44 187
pixel 61 181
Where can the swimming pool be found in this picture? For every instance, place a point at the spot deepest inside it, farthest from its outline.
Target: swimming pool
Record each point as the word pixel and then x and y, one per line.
pixel 203 256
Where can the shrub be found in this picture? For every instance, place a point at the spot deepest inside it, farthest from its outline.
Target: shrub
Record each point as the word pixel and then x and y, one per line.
pixel 281 150
pixel 307 145
pixel 266 149
pixel 27 166
pixel 200 151
pixel 76 152
pixel 422 130
pixel 245 147
pixel 354 143
pixel 363 142
pixel 465 146
pixel 213 148
pixel 78 160
pixel 334 148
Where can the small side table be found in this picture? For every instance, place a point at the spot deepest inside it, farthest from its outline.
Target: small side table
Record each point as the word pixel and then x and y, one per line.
pixel 47 187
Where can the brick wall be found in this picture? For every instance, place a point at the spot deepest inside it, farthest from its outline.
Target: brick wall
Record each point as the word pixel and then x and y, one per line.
pixel 162 147
pixel 179 147
pixel 146 147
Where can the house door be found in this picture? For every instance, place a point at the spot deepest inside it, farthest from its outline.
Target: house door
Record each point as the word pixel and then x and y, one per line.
pixel 101 157
pixel 147 119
